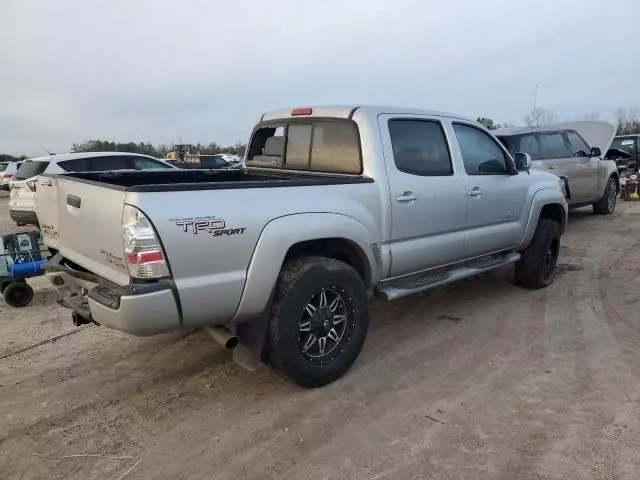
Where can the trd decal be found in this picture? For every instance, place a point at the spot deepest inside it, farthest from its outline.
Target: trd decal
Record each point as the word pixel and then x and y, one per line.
pixel 211 225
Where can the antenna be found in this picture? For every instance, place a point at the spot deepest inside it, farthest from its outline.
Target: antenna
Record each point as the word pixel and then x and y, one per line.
pixel 535 106
pixel 48 152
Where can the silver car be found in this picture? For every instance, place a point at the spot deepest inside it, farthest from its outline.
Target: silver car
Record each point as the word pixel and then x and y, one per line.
pixel 574 150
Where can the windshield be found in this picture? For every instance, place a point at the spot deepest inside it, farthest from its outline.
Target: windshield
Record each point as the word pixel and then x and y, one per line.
pixel 30 169
pixel 626 144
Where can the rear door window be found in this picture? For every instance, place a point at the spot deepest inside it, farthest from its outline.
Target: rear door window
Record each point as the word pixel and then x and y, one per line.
pixel 553 145
pixel 30 169
pixel 578 146
pixel 525 143
pixel 97 164
pixel 420 147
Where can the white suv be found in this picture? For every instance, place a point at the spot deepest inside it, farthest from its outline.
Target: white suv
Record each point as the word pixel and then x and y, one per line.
pixel 24 183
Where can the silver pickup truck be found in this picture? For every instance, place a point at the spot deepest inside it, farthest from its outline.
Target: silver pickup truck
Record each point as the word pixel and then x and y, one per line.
pixel 278 260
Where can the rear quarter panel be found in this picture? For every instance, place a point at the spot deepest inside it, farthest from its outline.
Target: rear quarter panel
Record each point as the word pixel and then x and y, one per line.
pixel 210 269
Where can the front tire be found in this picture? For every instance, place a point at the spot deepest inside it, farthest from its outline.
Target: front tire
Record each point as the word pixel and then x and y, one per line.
pixel 319 321
pixel 537 267
pixel 607 204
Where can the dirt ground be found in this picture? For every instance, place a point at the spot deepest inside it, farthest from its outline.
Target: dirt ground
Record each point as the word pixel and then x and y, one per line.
pixel 480 380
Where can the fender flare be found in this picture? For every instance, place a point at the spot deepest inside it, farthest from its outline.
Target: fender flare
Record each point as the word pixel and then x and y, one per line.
pixel 541 199
pixel 280 234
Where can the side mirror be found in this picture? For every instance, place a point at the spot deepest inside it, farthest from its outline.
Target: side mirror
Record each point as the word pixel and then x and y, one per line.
pixel 523 162
pixel 596 152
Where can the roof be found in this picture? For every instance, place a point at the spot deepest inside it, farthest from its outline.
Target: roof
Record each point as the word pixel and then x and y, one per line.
pixel 72 156
pixel 347 111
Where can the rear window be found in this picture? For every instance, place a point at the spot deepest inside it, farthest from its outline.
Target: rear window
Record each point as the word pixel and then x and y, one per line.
pixel 3 166
pixel 30 169
pixel 322 146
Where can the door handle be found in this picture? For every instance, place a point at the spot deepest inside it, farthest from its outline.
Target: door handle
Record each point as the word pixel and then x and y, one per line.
pixel 552 167
pixel 407 197
pixel 476 192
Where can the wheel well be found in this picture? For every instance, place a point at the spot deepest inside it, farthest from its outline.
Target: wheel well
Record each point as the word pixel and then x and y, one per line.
pixel 337 248
pixel 555 212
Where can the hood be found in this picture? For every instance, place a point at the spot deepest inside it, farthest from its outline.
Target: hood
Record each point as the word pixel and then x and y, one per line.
pixel 596 134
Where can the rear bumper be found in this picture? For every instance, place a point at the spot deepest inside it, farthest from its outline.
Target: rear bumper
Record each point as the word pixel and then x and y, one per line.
pixel 26 217
pixel 138 309
pixel 145 309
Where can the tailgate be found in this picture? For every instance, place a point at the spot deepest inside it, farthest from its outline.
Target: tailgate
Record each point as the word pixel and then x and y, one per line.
pixel 83 222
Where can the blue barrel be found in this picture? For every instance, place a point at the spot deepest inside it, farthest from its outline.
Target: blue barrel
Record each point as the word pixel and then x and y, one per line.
pixel 27 269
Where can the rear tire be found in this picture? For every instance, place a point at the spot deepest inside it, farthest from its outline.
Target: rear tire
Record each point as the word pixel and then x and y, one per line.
pixel 536 268
pixel 3 286
pixel 607 204
pixel 18 294
pixel 319 321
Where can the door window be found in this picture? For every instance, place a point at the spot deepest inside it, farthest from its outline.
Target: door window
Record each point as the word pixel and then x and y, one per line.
pixel 481 154
pixel 578 146
pixel 553 145
pixel 420 147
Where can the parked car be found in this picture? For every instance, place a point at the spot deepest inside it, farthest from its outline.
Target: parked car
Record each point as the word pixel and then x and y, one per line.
pixel 344 201
pixel 625 151
pixel 7 173
pixel 574 150
pixel 24 183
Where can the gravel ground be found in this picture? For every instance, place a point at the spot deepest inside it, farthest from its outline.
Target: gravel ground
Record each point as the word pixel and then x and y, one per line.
pixel 479 380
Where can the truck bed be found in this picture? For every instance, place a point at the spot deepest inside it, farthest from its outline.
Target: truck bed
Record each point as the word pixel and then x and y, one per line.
pixel 185 180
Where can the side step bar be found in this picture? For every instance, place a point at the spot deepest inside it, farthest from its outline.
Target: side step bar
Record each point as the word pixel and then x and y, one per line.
pixel 414 284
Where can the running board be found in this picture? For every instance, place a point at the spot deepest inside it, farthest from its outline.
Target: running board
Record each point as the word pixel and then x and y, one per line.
pixel 421 282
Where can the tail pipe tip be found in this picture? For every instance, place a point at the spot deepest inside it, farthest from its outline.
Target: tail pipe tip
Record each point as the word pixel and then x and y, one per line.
pixel 223 336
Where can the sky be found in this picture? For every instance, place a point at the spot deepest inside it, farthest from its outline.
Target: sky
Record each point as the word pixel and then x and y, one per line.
pixel 165 71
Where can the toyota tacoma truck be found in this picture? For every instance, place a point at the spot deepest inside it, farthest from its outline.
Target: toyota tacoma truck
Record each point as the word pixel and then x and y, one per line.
pixel 279 260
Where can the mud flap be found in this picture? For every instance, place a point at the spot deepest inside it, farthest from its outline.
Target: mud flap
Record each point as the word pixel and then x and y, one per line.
pixel 248 353
pixel 252 335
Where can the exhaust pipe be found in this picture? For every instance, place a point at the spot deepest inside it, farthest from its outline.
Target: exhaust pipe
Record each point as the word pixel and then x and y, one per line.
pixel 223 336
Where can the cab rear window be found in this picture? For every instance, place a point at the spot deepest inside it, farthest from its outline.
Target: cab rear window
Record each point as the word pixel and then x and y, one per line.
pixel 314 146
pixel 30 169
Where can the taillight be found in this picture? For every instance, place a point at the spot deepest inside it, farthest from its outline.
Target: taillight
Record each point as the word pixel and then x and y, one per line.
pixel 32 185
pixel 142 251
pixel 5 176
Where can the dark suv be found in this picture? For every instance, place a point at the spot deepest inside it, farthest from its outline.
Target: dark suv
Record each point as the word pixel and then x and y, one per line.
pixel 625 150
